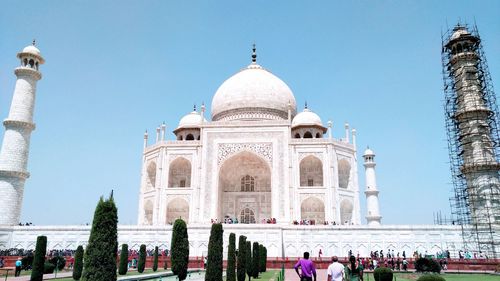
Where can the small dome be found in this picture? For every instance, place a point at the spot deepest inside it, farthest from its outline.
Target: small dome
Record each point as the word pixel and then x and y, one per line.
pixel 32 50
pixel 369 152
pixel 191 120
pixel 252 93
pixel 306 118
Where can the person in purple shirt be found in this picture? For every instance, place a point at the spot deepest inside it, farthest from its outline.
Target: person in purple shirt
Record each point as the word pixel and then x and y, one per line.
pixel 307 268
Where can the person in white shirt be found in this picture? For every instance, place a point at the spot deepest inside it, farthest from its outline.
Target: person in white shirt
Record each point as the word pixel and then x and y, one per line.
pixel 335 270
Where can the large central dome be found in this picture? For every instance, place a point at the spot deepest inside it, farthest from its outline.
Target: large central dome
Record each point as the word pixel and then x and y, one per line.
pixel 253 94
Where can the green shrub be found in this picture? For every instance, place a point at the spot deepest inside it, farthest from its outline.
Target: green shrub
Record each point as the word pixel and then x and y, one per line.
pixel 58 262
pixel 255 260
pixel 179 249
pixel 214 258
pixel 248 260
pixel 430 277
pixel 48 268
pixel 231 258
pixel 100 255
pixel 123 268
pixel 142 259
pixel 382 274
pixel 427 265
pixel 78 266
pixel 155 259
pixel 27 262
pixel 241 265
pixel 39 259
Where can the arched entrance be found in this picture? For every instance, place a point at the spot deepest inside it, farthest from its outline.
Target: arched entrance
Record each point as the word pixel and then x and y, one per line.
pixel 245 188
pixel 313 209
pixel 177 209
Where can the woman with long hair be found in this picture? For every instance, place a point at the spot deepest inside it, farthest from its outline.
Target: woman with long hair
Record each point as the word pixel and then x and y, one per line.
pixel 354 270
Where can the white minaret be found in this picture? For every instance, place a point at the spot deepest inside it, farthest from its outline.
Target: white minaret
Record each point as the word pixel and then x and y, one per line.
pixel 18 127
pixel 373 212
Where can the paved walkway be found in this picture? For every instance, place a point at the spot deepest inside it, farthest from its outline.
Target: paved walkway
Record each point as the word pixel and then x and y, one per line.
pixel 27 277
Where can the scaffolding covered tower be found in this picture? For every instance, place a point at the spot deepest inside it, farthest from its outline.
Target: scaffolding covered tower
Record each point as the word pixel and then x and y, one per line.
pixel 471 121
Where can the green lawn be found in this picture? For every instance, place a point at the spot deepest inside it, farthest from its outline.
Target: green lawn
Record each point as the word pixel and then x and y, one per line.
pixel 446 276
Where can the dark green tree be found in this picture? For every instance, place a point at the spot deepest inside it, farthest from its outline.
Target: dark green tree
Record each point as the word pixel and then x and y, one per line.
pixel 214 258
pixel 264 269
pixel 179 249
pixel 122 269
pixel 231 259
pixel 155 259
pixel 255 260
pixel 241 270
pixel 248 260
pixel 78 266
pixel 262 259
pixel 142 259
pixel 100 256
pixel 39 259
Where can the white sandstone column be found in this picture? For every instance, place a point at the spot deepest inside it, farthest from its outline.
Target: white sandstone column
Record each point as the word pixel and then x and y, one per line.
pixel 18 127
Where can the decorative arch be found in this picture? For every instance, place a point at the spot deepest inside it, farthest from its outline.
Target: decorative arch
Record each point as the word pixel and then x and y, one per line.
pixel 297 135
pixel 189 137
pixel 308 135
pixel 311 171
pixel 151 172
pixel 244 182
pixel 344 170
pixel 177 208
pixel 148 212
pixel 313 209
pixel 247 215
pixel 179 174
pixel 346 209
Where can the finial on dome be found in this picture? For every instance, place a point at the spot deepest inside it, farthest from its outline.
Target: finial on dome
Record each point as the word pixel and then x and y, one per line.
pixel 194 107
pixel 305 106
pixel 254 54
pixel 34 42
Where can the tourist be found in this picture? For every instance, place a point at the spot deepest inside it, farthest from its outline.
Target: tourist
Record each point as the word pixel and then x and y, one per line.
pixel 2 262
pixel 354 270
pixel 335 270
pixel 307 268
pixel 405 264
pixel 19 266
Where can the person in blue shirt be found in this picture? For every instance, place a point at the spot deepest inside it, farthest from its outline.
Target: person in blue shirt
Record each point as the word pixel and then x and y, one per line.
pixel 19 265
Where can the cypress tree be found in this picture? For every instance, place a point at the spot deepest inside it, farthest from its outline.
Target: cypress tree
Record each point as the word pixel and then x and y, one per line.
pixel 231 259
pixel 100 256
pixel 262 265
pixel 179 249
pixel 142 259
pixel 248 260
pixel 214 258
pixel 78 266
pixel 39 259
pixel 122 270
pixel 241 270
pixel 255 260
pixel 265 260
pixel 155 259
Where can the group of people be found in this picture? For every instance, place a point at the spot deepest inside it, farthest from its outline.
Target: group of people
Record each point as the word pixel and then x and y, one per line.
pixel 353 271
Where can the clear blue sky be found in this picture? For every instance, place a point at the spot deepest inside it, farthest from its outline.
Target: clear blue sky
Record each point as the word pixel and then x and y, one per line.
pixel 116 68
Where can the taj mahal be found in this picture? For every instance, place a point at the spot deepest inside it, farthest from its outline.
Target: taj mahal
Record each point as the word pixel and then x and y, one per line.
pixel 269 169
pixel 257 159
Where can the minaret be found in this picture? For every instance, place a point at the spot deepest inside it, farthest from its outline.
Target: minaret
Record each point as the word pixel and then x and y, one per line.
pixel 373 214
pixel 18 127
pixel 474 126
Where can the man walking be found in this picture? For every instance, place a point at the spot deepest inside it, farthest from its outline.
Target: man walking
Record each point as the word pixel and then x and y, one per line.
pixel 335 270
pixel 307 268
pixel 19 266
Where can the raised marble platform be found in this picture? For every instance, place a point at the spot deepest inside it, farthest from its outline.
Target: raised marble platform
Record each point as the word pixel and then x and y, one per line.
pixel 280 240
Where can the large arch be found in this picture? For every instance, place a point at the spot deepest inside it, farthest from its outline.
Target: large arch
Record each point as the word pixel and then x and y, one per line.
pixel 313 209
pixel 311 171
pixel 245 183
pixel 178 208
pixel 179 174
pixel 148 212
pixel 346 209
pixel 151 172
pixel 344 169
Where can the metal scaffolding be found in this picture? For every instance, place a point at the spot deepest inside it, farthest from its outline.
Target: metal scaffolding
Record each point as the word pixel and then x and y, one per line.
pixel 471 115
